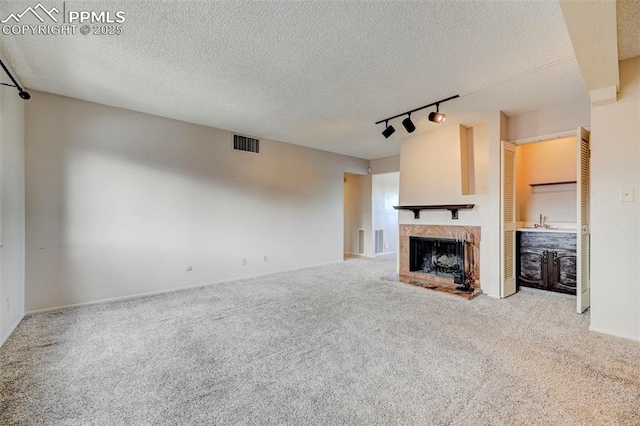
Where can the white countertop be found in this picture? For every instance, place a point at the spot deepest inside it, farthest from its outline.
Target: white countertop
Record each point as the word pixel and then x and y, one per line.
pixel 554 227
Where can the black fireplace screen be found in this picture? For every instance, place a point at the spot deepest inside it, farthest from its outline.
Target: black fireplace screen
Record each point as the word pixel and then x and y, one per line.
pixel 437 256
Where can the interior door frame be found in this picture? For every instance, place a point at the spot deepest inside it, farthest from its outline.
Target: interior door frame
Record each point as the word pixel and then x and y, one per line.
pixel 582 298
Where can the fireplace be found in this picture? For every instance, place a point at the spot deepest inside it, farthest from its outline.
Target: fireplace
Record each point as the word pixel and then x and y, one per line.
pixel 439 257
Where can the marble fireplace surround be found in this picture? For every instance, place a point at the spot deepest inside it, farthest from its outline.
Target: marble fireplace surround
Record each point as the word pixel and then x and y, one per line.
pixel 437 282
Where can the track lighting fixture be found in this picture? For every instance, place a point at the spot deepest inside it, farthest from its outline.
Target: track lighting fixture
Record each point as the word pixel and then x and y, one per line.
pixel 408 124
pixel 388 131
pixel 437 117
pixel 24 95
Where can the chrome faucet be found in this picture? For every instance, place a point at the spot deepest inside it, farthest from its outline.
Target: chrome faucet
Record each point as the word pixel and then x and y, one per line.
pixel 541 224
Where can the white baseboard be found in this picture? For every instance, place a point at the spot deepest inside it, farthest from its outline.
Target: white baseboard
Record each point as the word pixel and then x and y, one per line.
pixel 620 335
pixel 386 253
pixel 171 290
pixel 4 339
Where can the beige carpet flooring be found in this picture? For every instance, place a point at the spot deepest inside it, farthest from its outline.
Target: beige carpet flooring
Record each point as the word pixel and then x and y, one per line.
pixel 331 345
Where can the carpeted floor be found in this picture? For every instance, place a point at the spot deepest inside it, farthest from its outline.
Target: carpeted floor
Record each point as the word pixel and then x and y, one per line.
pixel 327 345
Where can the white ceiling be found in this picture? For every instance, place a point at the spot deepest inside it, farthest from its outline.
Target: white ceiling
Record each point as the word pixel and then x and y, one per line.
pixel 317 74
pixel 628 20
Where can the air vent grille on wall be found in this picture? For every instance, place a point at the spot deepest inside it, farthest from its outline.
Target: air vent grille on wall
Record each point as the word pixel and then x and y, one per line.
pixel 243 143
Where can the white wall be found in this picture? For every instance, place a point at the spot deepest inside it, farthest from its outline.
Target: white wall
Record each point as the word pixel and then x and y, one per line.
pixel 560 118
pixel 430 169
pixel 358 213
pixel 120 203
pixel 615 225
pixel 431 173
pixel 385 165
pixel 545 162
pixel 12 205
pixel 385 195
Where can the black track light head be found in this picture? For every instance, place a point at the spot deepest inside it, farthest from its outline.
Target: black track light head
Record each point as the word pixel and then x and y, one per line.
pixel 24 95
pixel 437 116
pixel 408 124
pixel 388 131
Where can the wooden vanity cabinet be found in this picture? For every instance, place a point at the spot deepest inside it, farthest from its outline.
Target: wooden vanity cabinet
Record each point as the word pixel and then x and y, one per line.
pixel 547 260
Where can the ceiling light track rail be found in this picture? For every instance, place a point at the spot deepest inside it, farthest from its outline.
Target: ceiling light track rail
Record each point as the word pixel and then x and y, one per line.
pixel 435 116
pixel 420 108
pixel 21 92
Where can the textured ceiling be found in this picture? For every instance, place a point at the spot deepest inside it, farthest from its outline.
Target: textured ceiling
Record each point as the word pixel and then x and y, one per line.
pixel 628 20
pixel 317 74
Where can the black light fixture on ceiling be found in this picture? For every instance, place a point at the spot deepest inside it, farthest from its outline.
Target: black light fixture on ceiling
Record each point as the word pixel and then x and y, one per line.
pixel 437 117
pixel 388 131
pixel 24 95
pixel 408 124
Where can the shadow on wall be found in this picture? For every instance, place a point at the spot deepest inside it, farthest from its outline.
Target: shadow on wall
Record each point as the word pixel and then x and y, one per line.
pixel 122 203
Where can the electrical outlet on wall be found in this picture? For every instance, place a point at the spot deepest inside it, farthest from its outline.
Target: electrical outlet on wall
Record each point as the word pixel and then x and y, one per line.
pixel 265 259
pixel 7 304
pixel 244 261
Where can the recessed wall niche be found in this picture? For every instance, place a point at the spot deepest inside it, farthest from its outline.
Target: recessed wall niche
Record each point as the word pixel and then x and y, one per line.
pixel 474 159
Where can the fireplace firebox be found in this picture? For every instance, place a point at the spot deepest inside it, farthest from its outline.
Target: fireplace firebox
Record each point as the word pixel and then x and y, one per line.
pixel 443 257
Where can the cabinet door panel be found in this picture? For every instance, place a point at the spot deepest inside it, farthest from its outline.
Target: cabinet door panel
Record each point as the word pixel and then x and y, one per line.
pixel 531 270
pixel 566 274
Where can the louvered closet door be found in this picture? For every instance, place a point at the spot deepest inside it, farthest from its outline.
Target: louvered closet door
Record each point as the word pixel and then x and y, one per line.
pixel 583 293
pixel 508 220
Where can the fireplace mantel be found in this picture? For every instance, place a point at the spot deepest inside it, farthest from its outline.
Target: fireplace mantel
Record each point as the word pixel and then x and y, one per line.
pixel 453 208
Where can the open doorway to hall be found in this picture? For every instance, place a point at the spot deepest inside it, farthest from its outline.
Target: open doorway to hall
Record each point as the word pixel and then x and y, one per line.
pixel 370 221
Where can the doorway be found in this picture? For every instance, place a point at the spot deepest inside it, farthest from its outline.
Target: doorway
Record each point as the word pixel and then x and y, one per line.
pixel 370 221
pixel 545 216
pixel 357 216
